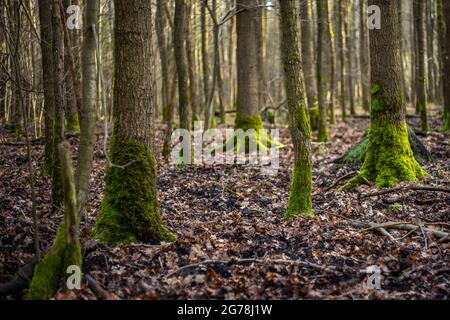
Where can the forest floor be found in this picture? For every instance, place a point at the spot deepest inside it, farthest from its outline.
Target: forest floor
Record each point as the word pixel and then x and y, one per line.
pixel 230 217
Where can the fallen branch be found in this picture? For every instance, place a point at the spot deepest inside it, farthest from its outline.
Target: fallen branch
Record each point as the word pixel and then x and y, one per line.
pixel 330 269
pixel 393 190
pixel 381 229
pixel 401 226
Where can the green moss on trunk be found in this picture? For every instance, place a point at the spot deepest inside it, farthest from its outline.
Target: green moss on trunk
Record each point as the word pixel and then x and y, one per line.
pixel 72 123
pixel 389 158
pixel 57 194
pixel 51 269
pixel 446 121
pixel 258 137
pixel 300 193
pixel 130 210
pixel 357 154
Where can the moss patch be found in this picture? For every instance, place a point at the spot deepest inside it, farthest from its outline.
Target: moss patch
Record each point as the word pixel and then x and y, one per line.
pixel 130 210
pixel 314 116
pixel 255 135
pixel 300 193
pixel 389 158
pixel 51 269
pixel 73 123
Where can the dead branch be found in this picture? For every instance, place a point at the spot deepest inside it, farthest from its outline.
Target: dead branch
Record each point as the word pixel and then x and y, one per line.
pixel 401 226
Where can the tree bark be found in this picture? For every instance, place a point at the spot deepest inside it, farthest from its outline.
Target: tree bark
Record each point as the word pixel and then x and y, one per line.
pixel 446 63
pixel 309 66
pixel 300 195
pixel 130 210
pixel 58 89
pixel 180 58
pixel 389 157
pixel 87 120
pixel 321 70
pixel 421 77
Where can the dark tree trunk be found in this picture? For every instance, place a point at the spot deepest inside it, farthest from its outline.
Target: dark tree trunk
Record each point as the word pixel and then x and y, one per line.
pixel 130 211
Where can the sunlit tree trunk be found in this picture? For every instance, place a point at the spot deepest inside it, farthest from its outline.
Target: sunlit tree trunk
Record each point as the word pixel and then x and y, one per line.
pixel 87 119
pixel 389 157
pixel 130 210
pixel 300 194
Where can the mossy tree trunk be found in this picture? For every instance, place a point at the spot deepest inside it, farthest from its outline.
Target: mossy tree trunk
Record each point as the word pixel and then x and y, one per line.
pixel 321 70
pixel 248 117
pixel 87 120
pixel 179 44
pixel 300 196
pixel 66 250
pixel 73 87
pixel 446 84
pixel 130 211
pixel 421 80
pixel 47 78
pixel 247 64
pixel 389 158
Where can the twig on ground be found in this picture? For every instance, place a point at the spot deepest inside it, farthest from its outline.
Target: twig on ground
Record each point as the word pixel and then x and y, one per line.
pixel 401 226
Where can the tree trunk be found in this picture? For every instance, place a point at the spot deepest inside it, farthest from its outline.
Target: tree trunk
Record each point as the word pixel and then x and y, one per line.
pixel 87 120
pixel 364 59
pixel 349 56
pixel 389 157
pixel 161 24
pixel 330 40
pixel 3 74
pixel 300 194
pixel 191 63
pixel 341 58
pixel 180 58
pixel 73 86
pixel 429 30
pixel 446 62
pixel 58 92
pixel 205 53
pixel 307 41
pixel 422 76
pixel 130 211
pixel 321 70
pixel 66 249
pixel 247 67
pixel 47 79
